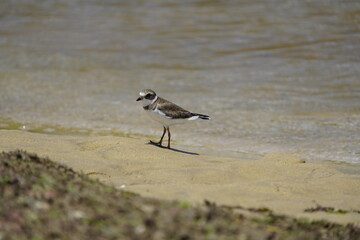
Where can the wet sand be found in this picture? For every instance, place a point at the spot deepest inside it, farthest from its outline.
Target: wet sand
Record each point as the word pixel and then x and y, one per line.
pixel 279 181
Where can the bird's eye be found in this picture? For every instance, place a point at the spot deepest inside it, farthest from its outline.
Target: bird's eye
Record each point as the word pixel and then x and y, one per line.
pixel 147 96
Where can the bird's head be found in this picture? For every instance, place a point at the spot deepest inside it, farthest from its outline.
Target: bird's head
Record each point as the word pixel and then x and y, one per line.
pixel 147 95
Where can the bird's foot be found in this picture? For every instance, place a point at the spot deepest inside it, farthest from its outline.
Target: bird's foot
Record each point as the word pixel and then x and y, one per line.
pixel 156 143
pixel 159 144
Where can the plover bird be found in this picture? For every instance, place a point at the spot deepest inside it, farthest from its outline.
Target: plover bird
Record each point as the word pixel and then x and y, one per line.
pixel 165 112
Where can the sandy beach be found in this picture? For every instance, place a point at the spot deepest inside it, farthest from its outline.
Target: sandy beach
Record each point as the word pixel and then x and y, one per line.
pixel 279 181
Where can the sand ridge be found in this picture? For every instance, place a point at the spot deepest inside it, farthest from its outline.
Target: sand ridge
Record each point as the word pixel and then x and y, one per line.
pixel 279 181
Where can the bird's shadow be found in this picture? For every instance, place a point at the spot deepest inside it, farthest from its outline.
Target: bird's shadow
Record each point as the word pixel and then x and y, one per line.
pixel 172 149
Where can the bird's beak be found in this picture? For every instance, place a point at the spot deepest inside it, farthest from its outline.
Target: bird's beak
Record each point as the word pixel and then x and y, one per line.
pixel 139 99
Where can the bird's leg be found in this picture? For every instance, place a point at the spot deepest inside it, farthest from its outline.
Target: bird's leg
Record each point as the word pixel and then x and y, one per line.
pixel 169 136
pixel 160 142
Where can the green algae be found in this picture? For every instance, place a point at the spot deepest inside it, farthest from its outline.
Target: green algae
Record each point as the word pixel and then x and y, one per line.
pixel 330 210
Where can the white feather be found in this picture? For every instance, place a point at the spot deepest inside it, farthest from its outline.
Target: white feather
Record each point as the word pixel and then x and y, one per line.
pixel 193 118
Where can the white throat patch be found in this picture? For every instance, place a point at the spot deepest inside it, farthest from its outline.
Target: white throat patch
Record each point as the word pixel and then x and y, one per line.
pixel 156 97
pixel 147 102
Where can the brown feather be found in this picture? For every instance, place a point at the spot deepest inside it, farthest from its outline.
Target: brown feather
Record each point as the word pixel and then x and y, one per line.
pixel 172 110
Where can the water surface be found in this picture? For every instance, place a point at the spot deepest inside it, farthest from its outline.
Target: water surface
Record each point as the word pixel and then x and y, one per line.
pixel 274 75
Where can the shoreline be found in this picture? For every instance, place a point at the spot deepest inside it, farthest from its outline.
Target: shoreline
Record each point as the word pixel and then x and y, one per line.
pixel 279 181
pixel 210 149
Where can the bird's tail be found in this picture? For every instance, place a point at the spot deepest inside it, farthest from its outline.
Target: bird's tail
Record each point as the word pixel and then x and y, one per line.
pixel 202 116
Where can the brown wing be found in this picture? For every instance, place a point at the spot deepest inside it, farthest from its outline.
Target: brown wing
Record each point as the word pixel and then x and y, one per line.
pixel 172 110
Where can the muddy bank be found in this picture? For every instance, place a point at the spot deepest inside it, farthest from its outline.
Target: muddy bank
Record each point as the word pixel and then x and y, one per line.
pixel 47 200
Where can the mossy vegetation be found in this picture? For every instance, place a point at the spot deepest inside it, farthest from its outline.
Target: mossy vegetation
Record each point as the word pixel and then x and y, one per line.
pixel 41 199
pixel 332 210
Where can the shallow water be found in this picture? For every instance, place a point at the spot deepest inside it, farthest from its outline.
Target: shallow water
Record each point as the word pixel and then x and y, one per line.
pixel 273 75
